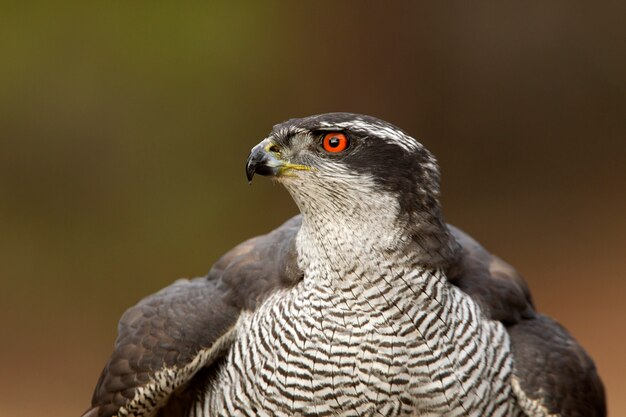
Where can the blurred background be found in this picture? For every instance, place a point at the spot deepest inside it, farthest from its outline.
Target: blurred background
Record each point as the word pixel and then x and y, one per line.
pixel 124 128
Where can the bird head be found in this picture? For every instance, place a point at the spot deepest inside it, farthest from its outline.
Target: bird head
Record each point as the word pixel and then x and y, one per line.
pixel 357 175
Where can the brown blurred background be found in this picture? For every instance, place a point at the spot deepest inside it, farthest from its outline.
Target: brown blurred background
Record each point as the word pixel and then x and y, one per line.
pixel 124 129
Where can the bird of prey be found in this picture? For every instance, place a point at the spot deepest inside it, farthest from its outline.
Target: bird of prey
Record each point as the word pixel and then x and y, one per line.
pixel 367 303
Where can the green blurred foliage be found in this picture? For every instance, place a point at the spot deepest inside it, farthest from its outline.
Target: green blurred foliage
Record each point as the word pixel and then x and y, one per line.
pixel 124 128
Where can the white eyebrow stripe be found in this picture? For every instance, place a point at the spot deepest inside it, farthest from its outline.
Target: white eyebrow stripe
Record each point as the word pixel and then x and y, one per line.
pixel 385 132
pixel 287 131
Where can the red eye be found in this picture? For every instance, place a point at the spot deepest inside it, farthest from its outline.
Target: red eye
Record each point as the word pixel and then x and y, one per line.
pixel 335 142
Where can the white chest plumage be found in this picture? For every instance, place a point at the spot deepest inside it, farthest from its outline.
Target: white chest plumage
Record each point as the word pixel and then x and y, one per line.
pixel 418 347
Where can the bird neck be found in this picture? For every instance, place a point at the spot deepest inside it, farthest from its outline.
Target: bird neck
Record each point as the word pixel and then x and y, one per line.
pixel 361 275
pixel 341 231
pixel 365 240
pixel 349 249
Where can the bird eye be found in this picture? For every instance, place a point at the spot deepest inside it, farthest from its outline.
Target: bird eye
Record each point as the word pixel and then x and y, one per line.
pixel 335 142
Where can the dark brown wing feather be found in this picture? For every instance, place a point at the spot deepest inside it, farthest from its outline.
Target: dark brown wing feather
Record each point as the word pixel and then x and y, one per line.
pixel 495 285
pixel 171 326
pixel 552 369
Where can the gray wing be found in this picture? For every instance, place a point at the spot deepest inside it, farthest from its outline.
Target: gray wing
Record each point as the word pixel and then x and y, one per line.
pixel 553 375
pixel 170 343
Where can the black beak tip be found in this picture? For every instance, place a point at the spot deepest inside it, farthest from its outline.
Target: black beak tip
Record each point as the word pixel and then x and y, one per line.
pixel 260 162
pixel 250 169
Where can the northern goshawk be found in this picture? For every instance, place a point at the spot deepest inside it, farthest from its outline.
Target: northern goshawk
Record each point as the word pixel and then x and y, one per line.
pixel 367 303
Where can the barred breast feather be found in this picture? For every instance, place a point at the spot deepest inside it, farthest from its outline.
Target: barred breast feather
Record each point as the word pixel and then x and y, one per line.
pixel 313 351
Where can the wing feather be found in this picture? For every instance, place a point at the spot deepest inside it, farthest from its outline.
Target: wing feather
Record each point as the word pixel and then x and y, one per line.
pixel 168 337
pixel 553 375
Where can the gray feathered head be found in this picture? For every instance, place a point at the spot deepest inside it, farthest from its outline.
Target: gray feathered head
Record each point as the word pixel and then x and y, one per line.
pixel 359 172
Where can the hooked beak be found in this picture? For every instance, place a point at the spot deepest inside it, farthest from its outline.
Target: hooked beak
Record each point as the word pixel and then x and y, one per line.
pixel 264 161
